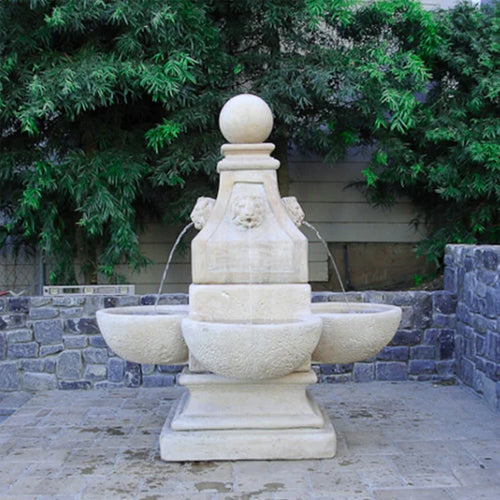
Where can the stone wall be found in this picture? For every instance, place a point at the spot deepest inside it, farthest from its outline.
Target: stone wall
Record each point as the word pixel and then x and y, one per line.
pixel 422 348
pixel 54 342
pixel 472 273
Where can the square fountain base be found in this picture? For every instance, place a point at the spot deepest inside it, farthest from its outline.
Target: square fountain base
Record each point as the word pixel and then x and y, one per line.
pixel 223 419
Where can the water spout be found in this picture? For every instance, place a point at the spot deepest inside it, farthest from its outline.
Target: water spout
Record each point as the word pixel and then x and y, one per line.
pixel 165 271
pixel 324 243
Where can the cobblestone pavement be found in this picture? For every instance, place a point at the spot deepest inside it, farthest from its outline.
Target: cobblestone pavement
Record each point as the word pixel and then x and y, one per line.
pixel 396 441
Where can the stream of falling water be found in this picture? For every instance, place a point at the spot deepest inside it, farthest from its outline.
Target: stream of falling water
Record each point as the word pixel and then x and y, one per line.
pixel 250 274
pixel 165 271
pixel 325 244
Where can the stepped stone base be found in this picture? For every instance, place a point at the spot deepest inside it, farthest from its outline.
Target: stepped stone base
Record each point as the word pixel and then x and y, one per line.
pixel 223 419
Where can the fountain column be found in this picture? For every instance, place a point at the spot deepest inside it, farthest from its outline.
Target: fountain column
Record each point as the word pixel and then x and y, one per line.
pixel 250 330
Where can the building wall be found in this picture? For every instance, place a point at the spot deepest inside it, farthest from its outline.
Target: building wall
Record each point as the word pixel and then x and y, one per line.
pixel 357 233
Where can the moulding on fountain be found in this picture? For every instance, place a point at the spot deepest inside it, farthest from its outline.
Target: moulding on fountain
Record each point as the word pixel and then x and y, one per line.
pixel 250 331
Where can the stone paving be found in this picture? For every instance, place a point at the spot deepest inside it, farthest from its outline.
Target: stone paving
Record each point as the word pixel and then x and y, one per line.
pixel 396 440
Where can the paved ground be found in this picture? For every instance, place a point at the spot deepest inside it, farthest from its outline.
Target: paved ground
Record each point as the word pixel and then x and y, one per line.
pixel 397 441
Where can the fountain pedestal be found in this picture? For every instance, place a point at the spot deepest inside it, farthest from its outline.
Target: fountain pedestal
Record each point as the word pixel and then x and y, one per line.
pixel 225 419
pixel 251 332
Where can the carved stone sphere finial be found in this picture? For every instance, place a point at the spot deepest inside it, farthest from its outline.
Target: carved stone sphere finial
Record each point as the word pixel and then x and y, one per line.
pixel 246 119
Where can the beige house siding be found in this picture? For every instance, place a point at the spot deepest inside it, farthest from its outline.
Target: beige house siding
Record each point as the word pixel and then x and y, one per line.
pixel 341 215
pixel 442 4
pixel 156 243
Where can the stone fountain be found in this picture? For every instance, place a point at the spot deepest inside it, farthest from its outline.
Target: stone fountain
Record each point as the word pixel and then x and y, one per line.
pixel 250 332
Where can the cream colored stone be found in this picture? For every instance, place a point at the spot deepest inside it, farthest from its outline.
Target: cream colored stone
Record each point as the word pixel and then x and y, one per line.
pixel 248 444
pixel 243 303
pixel 355 332
pixel 252 351
pixel 249 237
pixel 248 157
pixel 201 212
pixel 143 334
pixel 293 209
pixel 216 402
pixel 250 327
pixel 236 420
pixel 246 118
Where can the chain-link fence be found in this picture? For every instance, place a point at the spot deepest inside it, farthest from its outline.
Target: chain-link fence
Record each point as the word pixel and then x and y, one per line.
pixel 19 271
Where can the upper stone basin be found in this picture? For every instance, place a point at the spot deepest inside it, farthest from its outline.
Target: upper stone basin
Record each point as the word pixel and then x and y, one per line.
pixel 252 351
pixel 353 332
pixel 145 334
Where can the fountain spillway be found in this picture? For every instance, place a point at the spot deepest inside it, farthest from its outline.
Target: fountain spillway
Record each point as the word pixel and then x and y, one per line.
pixel 250 333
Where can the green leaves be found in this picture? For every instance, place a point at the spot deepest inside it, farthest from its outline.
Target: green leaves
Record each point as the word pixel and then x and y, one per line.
pixel 162 134
pixel 82 85
pixel 108 110
pixel 401 105
pixel 443 145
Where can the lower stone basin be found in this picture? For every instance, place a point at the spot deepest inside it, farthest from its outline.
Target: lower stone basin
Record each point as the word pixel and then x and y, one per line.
pixel 252 351
pixel 353 332
pixel 145 334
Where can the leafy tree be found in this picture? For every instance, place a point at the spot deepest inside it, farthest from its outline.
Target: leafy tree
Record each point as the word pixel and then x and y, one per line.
pixel 108 109
pixel 86 90
pixel 447 157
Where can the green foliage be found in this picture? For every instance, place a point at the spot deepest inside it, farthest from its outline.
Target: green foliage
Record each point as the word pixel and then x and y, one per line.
pixel 86 90
pixel 447 158
pixel 108 109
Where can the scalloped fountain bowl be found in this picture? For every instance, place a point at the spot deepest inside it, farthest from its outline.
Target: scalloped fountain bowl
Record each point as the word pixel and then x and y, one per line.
pixel 252 351
pixel 145 334
pixel 353 332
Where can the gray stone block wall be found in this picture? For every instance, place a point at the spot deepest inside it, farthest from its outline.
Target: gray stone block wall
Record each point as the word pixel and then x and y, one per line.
pixel 472 273
pixel 421 349
pixel 55 343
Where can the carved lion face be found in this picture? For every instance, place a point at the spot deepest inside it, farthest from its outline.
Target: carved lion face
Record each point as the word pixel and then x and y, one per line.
pixel 247 211
pixel 201 211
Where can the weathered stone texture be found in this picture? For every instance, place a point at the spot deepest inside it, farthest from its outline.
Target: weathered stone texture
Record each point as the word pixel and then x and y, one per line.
pixel 158 380
pixel 132 374
pixel 24 350
pixel 20 335
pixel 3 346
pixel 18 304
pixel 48 332
pixel 95 372
pixel 391 371
pixel 39 381
pixel 43 313
pixel 48 342
pixel 9 377
pixel 75 341
pixel 473 273
pixel 116 369
pixel 69 365
pixel 46 350
pixel 94 355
